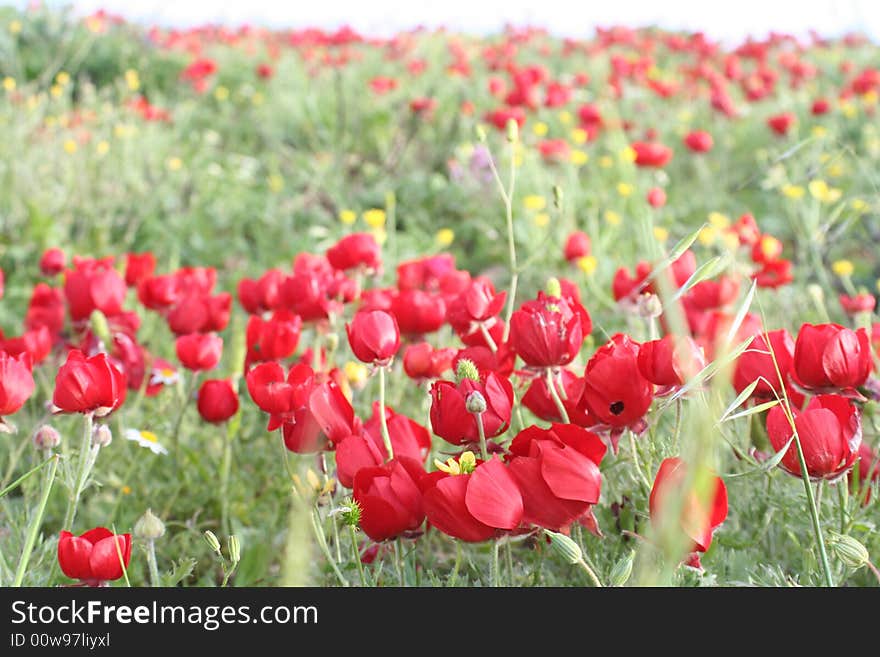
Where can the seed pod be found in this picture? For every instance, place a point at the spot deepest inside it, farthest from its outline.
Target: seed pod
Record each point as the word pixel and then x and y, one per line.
pixel 565 547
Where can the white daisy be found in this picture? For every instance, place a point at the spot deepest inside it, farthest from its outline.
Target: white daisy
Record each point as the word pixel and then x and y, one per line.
pixel 165 376
pixel 146 439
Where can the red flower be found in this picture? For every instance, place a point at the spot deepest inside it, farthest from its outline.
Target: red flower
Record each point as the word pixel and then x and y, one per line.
pixel 756 364
pixel 557 471
pixel 421 361
pixel 780 123
pixel 473 505
pixel 95 557
pixel 830 431
pixel 217 400
pixel 274 338
pixel 651 154
pixel 547 332
pixel 46 308
pixel 774 274
pixel 373 336
pixel 418 312
pixel 577 246
pixel 868 471
pixel 199 351
pixel 93 285
pixel 159 292
pixel 820 106
pixel 625 286
pixel 698 518
pixel 538 400
pixel 554 150
pixel 656 197
pixel 615 390
pixel 265 71
pixel 828 356
pixel 500 117
pixel 477 305
pixel 258 296
pixel 139 266
pixel 389 498
pixel 16 384
pixel 52 262
pixel 86 385
pixel 450 418
pixel 382 84
pixel 37 343
pixel 861 303
pixel 746 229
pixel 198 70
pixel 670 361
pixel 357 250
pixel 699 141
pixel 501 362
pixel 766 249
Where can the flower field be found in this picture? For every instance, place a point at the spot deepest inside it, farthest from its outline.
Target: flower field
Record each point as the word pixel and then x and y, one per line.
pixel 305 307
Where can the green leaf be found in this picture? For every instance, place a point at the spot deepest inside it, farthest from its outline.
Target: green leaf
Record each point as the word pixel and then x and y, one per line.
pixel 754 409
pixel 740 398
pixel 705 271
pixel 741 313
pixel 707 372
pixel 677 251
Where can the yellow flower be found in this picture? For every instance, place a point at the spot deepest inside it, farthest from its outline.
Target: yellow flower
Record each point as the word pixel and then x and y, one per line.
pixel 578 157
pixel 221 93
pixel 62 78
pixel 257 99
pixel 174 163
pixel 624 189
pixel 612 218
pixel 276 183
pixel 356 373
pixel 9 83
pixel 444 237
pixel 347 217
pixel 661 234
pixel 14 27
pixel 719 220
pixel 870 98
pixel 102 147
pixel 70 146
pixel 534 202
pixel 793 191
pixel 466 464
pixel 606 162
pixel 380 235
pixel 132 80
pixel 55 90
pixel 579 136
pixel 541 219
pixel 842 268
pixel 540 129
pixel 848 110
pixel 587 264
pixel 565 117
pixel 627 154
pixel 685 116
pixel 819 131
pixel 708 235
pixel 730 239
pixel 820 191
pixel 374 218
pixel 859 205
pixel 125 490
pixel 836 170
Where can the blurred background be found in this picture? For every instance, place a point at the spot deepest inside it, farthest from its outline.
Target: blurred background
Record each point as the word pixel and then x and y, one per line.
pixel 728 21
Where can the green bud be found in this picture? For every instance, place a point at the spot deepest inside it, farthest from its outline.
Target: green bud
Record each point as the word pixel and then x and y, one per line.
pixel 331 341
pixel 622 570
pixel 149 527
pixel 466 370
pixel 649 305
pixel 350 511
pixel 100 327
pixel 46 437
pixel 554 288
pixel 234 549
pixel 850 551
pixel 565 547
pixel 557 197
pixel 475 402
pixel 512 131
pixel 481 133
pixel 211 537
pixel 102 436
pixel 816 293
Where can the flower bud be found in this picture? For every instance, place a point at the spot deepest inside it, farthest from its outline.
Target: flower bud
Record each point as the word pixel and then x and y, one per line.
pixel 234 549
pixel 481 133
pixel 850 551
pixel 649 305
pixel 557 197
pixel 475 402
pixel 512 131
pixel 100 327
pixel 102 436
pixel 331 340
pixel 622 570
pixel 46 437
pixel 554 288
pixel 565 547
pixel 466 370
pixel 213 542
pixel 149 527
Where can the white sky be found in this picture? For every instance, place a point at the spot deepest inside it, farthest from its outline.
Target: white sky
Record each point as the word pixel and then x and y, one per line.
pixel 726 20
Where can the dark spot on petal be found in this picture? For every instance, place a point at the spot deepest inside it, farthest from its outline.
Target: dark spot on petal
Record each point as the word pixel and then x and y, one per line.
pixel 616 407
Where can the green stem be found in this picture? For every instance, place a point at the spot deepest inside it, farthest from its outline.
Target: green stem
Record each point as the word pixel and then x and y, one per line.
pixel 496 575
pixel 322 545
pixel 398 561
pixel 152 564
pixel 843 501
pixel 636 462
pixel 225 470
pixel 357 556
pixel 25 476
pixel 36 521
pixel 814 513
pixel 187 395
pixel 453 578
pixel 81 472
pixel 383 422
pixel 551 387
pixel 484 450
pixel 590 573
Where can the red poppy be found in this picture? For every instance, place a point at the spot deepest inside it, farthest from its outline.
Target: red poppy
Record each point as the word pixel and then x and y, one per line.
pixel 52 262
pixel 93 285
pixel 557 471
pixel 571 389
pixel 626 286
pixel 450 418
pixel 501 361
pixel 373 336
pixel 500 117
pixel 860 303
pixel 139 266
pixel 767 249
pixel 698 141
pixel 577 246
pixel 95 557
pixel 16 384
pixel 868 472
pixel 86 385
pixel 389 498
pixel 477 306
pixel 781 123
pixel 774 274
pixel 473 505
pixel 357 250
pixel 698 517
pixel 37 343
pixel 418 312
pixel 670 361
pixel 829 430
pixel 820 106
pixel 261 295
pixel 159 292
pixel 421 361
pixel 217 401
pixel 547 332
pixel 656 197
pixel 746 228
pixel 651 154
pixel 756 364
pixel 46 308
pixel 829 356
pixel 615 390
pixel 199 351
pixel 275 338
pixel 200 313
pixel 265 71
